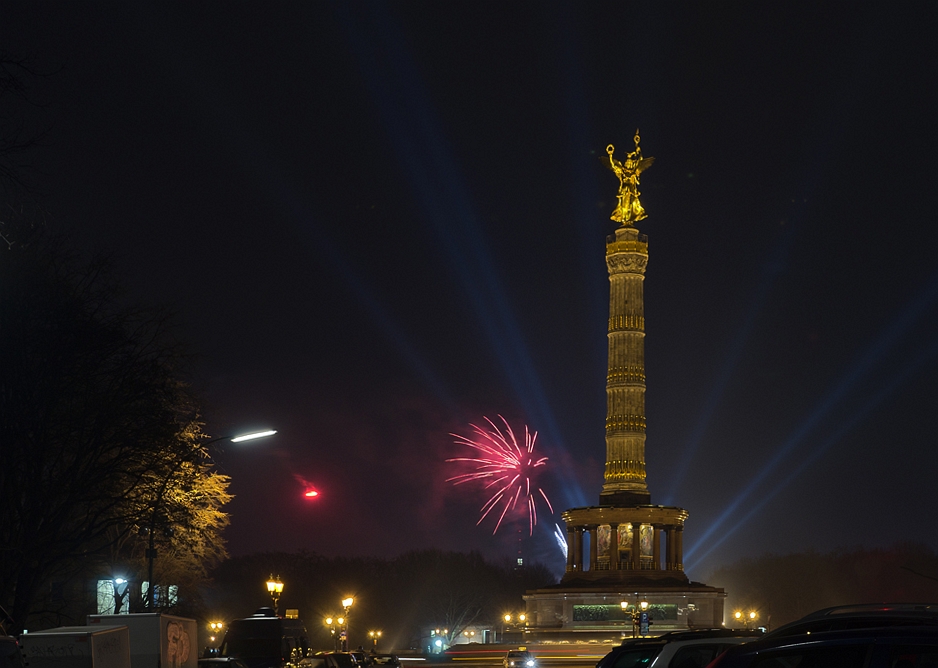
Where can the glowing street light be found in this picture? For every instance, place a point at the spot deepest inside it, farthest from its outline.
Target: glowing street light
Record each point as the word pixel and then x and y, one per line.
pixel 374 635
pixel 274 588
pixel 746 618
pixel 346 606
pixel 253 435
pixel 640 608
pixel 216 629
pixel 331 623
pixel 518 620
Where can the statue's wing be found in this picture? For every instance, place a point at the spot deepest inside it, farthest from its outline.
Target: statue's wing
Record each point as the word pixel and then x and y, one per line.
pixel 644 164
pixel 606 162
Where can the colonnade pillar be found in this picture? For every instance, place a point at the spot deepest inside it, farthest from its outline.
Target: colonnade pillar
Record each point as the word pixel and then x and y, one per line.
pixel 571 550
pixel 656 547
pixel 679 549
pixel 636 546
pixel 614 547
pixel 594 548
pixel 669 558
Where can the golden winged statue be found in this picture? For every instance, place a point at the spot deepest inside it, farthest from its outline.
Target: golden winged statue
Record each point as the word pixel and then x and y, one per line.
pixel 629 209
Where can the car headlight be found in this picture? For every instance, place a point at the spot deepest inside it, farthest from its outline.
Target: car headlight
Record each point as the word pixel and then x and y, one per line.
pixel 530 663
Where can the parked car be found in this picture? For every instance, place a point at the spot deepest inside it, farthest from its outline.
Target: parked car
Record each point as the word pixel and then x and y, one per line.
pixel 862 616
pixel 678 649
pixel 388 660
pixel 10 654
pixel 519 658
pixel 331 660
pixel 890 647
pixel 221 662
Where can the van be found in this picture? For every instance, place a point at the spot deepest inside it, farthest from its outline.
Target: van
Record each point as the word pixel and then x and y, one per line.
pixel 265 640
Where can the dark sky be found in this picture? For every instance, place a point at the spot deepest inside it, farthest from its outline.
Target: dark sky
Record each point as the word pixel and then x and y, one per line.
pixel 379 223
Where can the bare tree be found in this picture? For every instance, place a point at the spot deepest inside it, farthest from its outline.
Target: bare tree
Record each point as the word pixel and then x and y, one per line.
pixel 19 132
pixel 93 417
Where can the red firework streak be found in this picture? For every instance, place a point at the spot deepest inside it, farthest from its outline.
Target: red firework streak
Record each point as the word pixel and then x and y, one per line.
pixel 504 464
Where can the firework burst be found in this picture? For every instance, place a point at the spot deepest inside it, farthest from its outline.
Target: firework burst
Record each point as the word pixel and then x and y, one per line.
pixel 507 466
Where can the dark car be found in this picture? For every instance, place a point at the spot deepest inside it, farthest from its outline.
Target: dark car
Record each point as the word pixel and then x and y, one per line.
pixel 221 662
pixel 890 647
pixel 678 649
pixel 332 660
pixel 10 654
pixel 861 616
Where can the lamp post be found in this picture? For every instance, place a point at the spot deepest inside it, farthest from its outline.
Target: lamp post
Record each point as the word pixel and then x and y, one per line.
pixel 374 635
pixel 640 608
pixel 274 588
pixel 746 618
pixel 508 618
pixel 157 504
pixel 216 629
pixel 346 606
pixel 441 637
pixel 331 623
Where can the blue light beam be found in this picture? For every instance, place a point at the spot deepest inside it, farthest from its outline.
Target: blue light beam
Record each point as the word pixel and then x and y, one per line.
pixel 909 316
pixel 853 421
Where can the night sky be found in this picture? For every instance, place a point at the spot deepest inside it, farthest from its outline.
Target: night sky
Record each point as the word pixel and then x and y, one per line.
pixel 379 223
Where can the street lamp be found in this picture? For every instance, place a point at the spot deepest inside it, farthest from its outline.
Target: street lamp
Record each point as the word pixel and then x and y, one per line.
pixel 216 628
pixel 274 588
pixel 747 618
pixel 641 608
pixel 151 545
pixel 346 606
pixel 374 635
pixel 331 623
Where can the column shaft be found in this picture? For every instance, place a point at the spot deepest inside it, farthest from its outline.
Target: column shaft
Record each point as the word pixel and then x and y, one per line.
pixel 594 549
pixel 636 546
pixel 670 548
pixel 656 547
pixel 571 541
pixel 679 551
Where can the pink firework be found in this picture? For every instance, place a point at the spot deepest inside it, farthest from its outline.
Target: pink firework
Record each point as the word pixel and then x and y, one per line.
pixel 507 466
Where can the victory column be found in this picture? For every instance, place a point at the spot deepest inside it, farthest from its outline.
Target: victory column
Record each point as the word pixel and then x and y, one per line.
pixel 625 531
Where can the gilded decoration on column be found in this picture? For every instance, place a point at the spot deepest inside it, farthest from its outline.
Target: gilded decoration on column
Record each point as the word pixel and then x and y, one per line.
pixel 629 209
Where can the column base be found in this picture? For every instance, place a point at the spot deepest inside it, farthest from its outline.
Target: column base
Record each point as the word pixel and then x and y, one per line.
pixel 625 498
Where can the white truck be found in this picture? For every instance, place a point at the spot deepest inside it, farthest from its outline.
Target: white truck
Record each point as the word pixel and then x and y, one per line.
pixel 104 646
pixel 156 641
